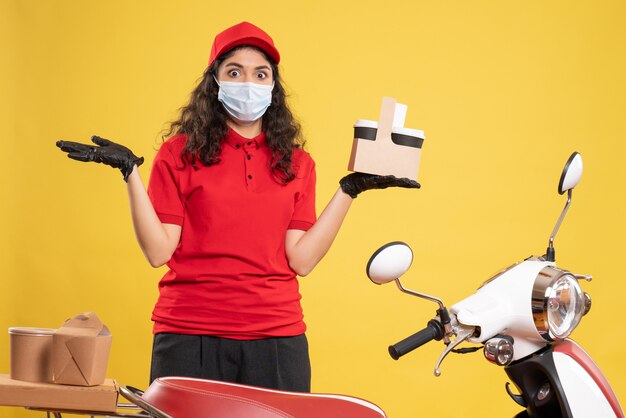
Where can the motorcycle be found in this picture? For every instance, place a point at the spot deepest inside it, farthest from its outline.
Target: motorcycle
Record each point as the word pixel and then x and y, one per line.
pixel 522 317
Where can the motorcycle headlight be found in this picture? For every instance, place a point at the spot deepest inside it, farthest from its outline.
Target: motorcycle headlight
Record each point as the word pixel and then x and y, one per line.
pixel 558 303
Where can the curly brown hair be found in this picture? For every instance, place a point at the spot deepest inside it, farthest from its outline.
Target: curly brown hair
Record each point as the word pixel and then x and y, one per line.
pixel 203 120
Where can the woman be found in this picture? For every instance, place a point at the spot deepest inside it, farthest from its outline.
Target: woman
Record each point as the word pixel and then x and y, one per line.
pixel 230 208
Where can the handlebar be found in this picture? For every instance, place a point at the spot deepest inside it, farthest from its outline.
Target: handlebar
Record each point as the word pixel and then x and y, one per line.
pixel 433 331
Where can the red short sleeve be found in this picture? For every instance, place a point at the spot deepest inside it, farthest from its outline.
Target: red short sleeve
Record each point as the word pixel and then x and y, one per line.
pixel 304 210
pixel 164 186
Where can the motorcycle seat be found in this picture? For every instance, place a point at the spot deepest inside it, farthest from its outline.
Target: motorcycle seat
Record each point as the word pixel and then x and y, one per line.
pixel 182 397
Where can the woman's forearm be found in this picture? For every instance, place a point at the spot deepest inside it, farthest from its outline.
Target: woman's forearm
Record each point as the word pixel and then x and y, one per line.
pixel 306 249
pixel 157 240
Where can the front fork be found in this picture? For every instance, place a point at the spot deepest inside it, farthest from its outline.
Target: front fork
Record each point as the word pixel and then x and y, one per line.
pixel 538 381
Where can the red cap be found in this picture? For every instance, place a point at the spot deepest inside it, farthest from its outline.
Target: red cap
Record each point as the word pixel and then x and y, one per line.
pixel 243 33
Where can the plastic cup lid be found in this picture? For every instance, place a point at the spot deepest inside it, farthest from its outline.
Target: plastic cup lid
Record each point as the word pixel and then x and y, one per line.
pixel 408 132
pixel 364 123
pixel 41 332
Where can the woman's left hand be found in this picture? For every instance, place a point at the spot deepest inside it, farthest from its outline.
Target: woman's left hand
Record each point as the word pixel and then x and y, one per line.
pixel 355 183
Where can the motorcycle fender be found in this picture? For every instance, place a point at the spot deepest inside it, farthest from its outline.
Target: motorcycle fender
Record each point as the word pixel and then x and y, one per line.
pixel 587 390
pixel 577 388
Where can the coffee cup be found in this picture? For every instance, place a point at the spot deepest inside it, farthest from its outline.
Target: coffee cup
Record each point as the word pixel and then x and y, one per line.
pixel 407 137
pixel 365 129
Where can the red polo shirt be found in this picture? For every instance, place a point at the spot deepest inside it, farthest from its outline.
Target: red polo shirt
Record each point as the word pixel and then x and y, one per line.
pixel 229 275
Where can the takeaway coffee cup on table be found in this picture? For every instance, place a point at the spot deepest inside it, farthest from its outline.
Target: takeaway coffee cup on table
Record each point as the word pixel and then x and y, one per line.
pixel 31 354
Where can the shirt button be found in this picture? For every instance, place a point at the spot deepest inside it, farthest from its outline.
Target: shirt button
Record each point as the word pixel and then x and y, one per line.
pixel 249 176
pixel 250 143
pixel 249 157
pixel 237 146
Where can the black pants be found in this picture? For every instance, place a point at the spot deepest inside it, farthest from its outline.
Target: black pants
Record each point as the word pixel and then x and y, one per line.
pixel 276 363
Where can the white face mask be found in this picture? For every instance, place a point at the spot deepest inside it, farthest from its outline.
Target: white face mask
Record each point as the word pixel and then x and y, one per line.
pixel 245 101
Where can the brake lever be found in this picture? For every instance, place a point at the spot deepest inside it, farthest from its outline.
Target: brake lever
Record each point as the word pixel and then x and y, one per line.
pixel 463 334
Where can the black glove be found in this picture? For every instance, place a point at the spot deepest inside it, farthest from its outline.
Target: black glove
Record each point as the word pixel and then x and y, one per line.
pixel 355 183
pixel 109 153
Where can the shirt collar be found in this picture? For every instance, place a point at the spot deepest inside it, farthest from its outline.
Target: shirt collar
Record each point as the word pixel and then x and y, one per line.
pixel 237 141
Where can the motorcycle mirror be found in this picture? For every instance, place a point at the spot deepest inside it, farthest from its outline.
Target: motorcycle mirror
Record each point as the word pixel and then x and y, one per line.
pixel 572 172
pixel 389 262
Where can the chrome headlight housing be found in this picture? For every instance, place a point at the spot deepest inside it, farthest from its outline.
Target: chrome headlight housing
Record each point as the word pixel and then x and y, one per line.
pixel 558 303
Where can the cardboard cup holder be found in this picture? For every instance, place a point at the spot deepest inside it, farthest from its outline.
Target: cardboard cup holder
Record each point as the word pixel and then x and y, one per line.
pixel 386 147
pixel 31 354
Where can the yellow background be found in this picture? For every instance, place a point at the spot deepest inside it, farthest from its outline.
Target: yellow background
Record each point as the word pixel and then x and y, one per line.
pixel 504 90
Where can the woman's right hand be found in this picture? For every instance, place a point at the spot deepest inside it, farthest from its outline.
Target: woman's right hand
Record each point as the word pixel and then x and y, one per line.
pixel 107 152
